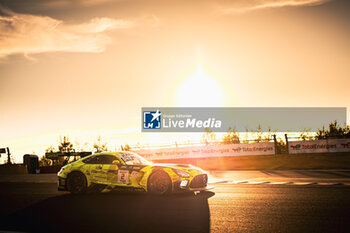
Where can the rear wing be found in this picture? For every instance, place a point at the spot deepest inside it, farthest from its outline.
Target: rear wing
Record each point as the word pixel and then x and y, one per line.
pixel 56 155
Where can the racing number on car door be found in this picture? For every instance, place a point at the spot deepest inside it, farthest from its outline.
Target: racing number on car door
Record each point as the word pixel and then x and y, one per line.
pixel 123 176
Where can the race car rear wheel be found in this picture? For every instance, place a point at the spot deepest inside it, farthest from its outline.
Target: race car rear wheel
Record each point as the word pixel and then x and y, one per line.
pixel 159 183
pixel 76 183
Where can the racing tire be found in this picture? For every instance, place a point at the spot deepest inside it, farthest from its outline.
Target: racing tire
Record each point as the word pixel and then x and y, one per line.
pixel 159 183
pixel 76 183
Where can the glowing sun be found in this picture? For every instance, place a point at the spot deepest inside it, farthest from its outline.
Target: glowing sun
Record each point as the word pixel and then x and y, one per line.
pixel 200 90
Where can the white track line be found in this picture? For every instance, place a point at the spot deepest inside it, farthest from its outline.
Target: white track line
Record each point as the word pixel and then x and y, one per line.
pixel 259 182
pixel 278 183
pixel 302 183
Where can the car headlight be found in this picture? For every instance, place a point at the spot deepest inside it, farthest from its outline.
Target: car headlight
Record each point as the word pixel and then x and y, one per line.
pixel 60 171
pixel 181 173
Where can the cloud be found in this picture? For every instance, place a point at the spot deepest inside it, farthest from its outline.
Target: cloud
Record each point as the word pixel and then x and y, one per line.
pixel 246 6
pixel 31 34
pixel 70 3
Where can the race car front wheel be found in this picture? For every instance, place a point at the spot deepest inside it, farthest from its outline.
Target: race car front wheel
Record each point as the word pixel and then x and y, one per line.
pixel 76 183
pixel 159 183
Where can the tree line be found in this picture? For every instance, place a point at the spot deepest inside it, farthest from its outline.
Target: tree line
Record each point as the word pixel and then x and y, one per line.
pixel 66 146
pixel 334 130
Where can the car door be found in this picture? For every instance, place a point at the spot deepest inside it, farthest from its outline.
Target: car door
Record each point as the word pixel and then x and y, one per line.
pixel 129 173
pixel 93 168
pixel 110 169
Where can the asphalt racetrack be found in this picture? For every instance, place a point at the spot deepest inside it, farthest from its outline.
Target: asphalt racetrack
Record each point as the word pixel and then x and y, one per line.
pixel 244 201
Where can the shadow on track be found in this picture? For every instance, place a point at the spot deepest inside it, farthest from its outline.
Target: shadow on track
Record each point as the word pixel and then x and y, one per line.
pixel 114 212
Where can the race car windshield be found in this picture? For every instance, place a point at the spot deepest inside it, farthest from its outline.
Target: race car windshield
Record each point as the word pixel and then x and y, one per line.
pixel 133 159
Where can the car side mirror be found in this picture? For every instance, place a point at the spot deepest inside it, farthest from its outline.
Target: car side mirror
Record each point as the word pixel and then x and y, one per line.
pixel 116 162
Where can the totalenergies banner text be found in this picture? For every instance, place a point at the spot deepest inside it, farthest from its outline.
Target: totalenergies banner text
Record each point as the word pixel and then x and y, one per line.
pixel 265 148
pixel 319 146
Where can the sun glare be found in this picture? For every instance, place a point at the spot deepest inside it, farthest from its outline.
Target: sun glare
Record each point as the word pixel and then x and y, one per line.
pixel 200 90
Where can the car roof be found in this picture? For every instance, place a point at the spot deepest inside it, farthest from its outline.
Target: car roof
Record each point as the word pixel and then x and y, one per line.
pixel 116 153
pixel 111 153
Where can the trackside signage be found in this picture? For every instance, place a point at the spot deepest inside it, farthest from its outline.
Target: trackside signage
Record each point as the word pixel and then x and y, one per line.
pixel 319 146
pixel 265 148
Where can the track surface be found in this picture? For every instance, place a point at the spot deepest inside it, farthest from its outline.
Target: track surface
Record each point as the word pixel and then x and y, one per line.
pixel 37 207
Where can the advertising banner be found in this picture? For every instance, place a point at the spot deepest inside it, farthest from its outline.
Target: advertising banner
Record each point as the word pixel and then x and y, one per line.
pixel 319 146
pixel 265 148
pixel 181 119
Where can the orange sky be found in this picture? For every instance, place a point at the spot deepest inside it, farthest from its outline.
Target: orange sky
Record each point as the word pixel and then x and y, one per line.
pixel 85 68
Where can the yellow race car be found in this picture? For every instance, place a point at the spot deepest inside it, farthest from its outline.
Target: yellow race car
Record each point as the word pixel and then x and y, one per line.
pixel 113 170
